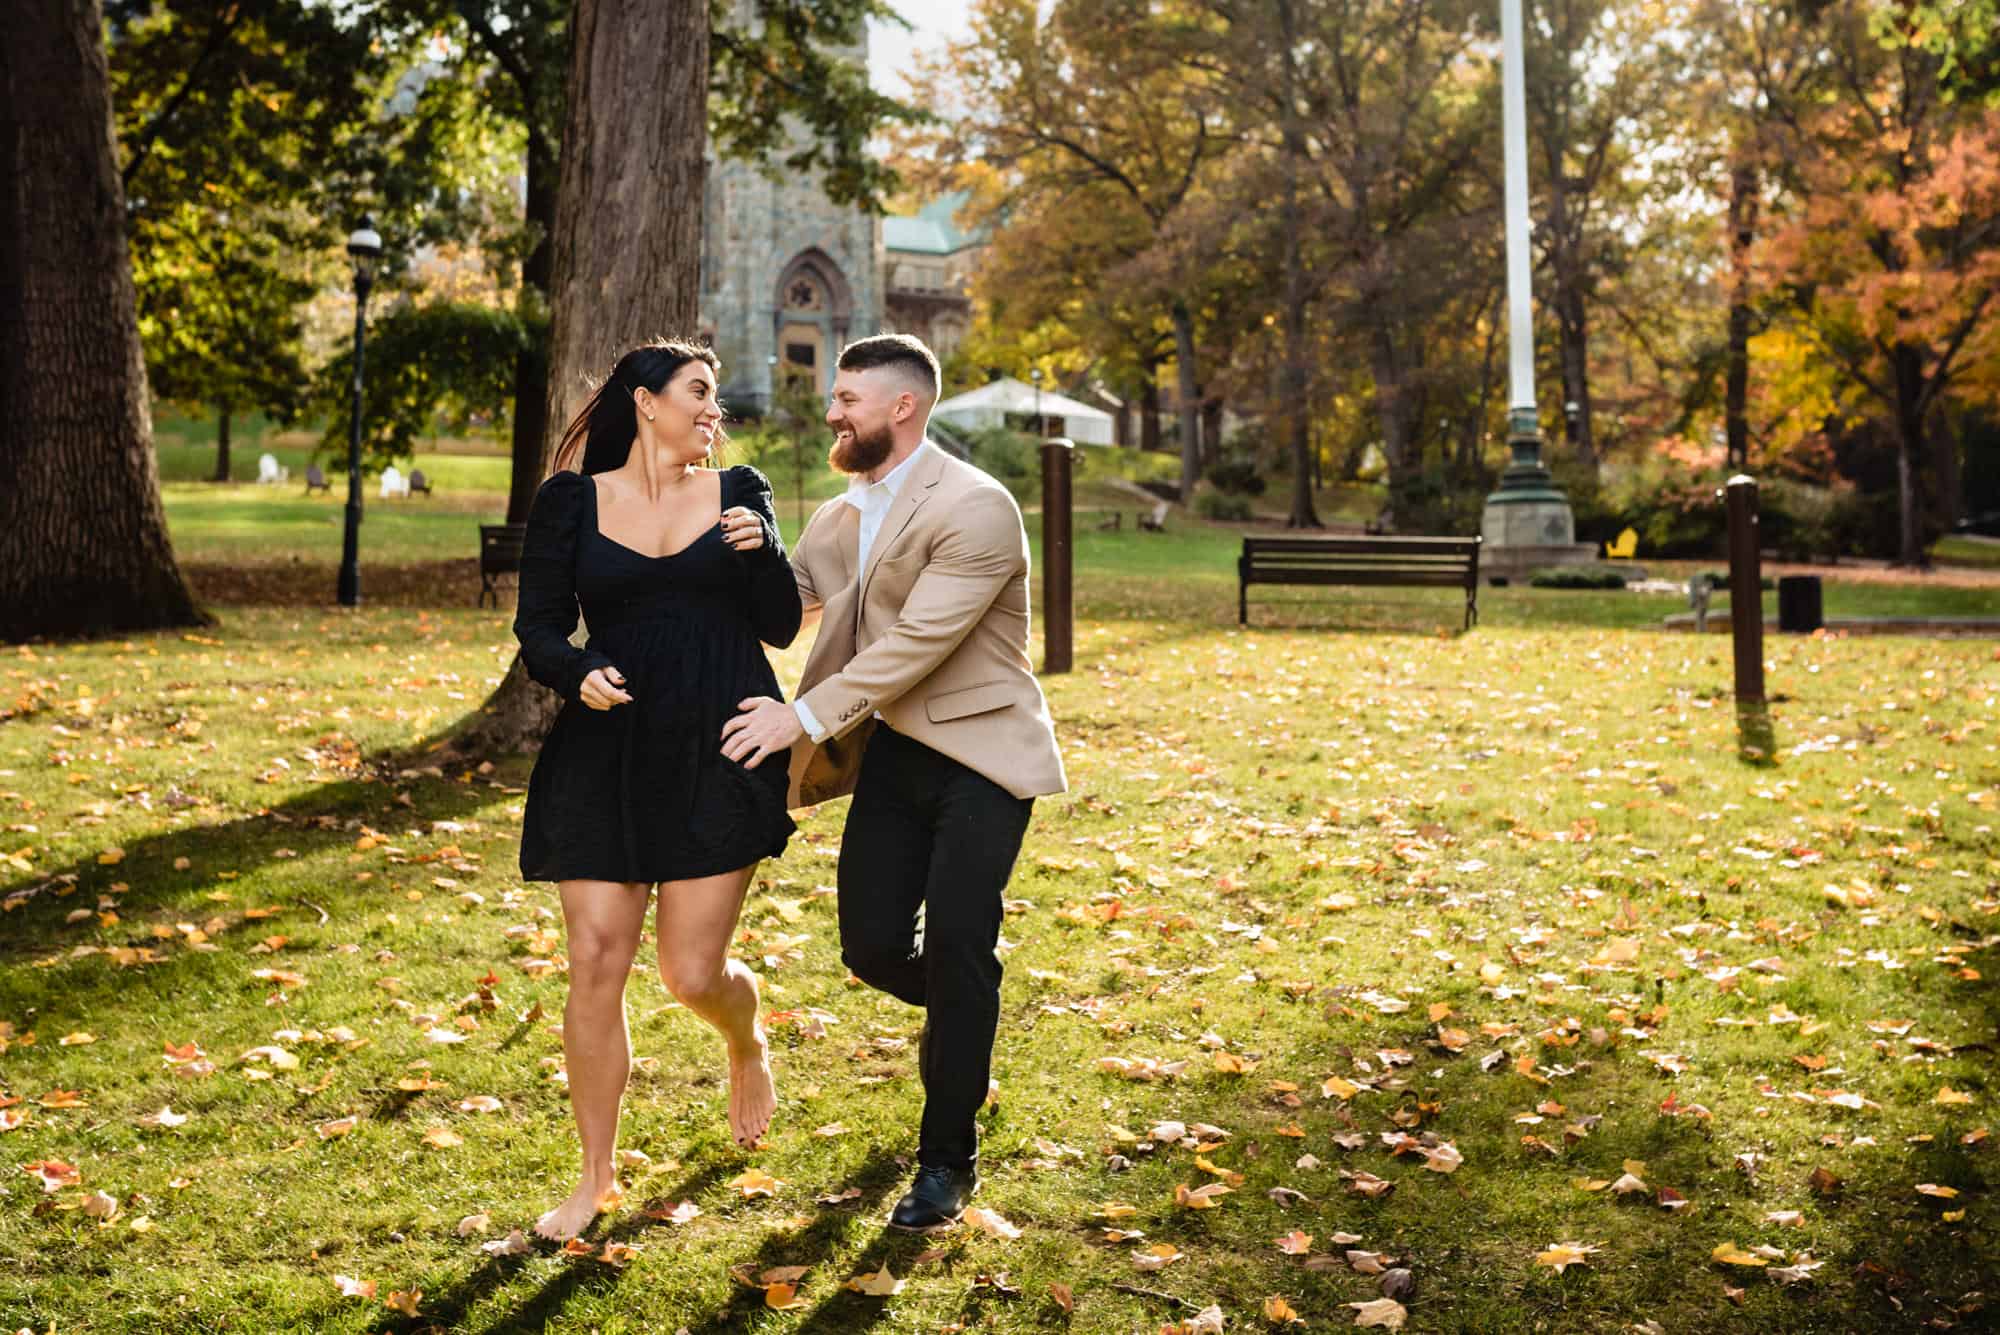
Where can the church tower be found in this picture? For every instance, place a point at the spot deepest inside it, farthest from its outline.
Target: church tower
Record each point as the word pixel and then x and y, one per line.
pixel 787 275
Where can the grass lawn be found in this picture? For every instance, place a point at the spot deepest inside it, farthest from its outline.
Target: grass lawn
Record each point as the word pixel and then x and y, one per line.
pixel 1441 951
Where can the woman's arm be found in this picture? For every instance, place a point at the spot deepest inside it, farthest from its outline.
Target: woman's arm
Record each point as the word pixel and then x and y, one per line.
pixel 546 613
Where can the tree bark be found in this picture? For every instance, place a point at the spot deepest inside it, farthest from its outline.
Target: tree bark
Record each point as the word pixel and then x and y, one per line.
pixel 1149 411
pixel 83 537
pixel 1298 421
pixel 1573 324
pixel 1736 387
pixel 531 366
pixel 222 416
pixel 1907 363
pixel 1392 410
pixel 1190 400
pixel 626 266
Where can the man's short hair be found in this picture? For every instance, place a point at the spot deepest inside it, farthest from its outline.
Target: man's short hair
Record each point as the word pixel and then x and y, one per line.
pixel 903 351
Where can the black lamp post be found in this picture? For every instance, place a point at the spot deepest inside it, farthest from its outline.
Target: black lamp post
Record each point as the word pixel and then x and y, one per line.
pixel 365 246
pixel 1036 376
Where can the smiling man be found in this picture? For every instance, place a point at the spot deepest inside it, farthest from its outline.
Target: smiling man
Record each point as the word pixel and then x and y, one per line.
pixel 918 698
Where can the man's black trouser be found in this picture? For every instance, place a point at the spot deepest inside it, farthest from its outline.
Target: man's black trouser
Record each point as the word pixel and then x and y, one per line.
pixel 924 832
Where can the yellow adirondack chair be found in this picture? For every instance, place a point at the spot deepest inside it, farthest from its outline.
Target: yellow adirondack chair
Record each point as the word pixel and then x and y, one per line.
pixel 1624 548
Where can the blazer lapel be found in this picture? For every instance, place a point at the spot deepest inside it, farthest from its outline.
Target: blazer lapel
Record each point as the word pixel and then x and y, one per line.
pixel 924 479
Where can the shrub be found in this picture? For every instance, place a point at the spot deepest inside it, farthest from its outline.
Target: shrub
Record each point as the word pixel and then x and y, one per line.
pixel 1583 577
pixel 1217 505
pixel 1236 474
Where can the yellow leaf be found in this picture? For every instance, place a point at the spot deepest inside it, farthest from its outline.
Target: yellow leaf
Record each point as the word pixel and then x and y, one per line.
pixel 1730 1254
pixel 1946 1095
pixel 876 1284
pixel 406 1303
pixel 1563 1255
pixel 1279 1313
pixel 783 1298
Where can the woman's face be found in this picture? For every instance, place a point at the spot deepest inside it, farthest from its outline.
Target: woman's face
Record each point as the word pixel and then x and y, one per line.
pixel 686 418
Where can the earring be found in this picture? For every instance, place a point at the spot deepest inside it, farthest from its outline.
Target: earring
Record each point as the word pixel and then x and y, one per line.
pixel 649 417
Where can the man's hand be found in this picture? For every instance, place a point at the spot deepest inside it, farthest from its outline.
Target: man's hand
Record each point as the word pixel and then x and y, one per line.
pixel 765 727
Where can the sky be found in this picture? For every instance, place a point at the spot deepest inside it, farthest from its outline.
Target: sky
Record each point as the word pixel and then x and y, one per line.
pixel 932 24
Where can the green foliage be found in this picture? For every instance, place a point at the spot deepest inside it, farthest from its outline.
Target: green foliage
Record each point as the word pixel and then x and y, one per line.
pixel 1220 505
pixel 1237 471
pixel 1588 577
pixel 447 362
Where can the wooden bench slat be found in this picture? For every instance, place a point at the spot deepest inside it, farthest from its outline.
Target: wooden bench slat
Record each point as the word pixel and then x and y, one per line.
pixel 1373 562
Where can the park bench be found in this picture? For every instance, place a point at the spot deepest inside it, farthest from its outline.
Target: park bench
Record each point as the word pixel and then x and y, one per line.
pixel 499 554
pixel 1381 562
pixel 316 480
pixel 419 483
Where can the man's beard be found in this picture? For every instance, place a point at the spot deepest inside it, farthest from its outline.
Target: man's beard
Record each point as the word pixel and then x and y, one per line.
pixel 861 453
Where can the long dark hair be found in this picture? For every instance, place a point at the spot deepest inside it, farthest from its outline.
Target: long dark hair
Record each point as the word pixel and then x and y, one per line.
pixel 599 438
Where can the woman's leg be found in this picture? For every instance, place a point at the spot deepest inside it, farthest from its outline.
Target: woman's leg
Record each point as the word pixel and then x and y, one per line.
pixel 697 919
pixel 604 920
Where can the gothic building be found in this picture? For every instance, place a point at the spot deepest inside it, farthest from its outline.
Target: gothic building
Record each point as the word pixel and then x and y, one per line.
pixel 788 276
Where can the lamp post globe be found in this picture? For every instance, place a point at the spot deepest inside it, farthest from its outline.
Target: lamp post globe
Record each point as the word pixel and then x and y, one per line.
pixel 364 247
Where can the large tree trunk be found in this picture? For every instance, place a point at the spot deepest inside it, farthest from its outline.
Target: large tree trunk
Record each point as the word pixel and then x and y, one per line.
pixel 1189 394
pixel 531 367
pixel 627 261
pixel 83 537
pixel 222 416
pixel 1736 390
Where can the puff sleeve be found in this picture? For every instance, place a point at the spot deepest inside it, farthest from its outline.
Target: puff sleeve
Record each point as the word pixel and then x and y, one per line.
pixel 547 611
pixel 775 609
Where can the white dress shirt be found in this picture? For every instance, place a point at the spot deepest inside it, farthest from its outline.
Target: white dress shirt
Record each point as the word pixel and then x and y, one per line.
pixel 872 500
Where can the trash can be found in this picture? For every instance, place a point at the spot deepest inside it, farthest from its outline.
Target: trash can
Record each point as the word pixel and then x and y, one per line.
pixel 1800 609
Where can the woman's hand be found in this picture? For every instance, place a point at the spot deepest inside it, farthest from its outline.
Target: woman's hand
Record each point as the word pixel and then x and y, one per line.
pixel 742 529
pixel 600 690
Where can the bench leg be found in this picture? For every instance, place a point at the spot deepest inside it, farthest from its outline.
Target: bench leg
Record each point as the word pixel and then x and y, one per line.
pixel 1242 604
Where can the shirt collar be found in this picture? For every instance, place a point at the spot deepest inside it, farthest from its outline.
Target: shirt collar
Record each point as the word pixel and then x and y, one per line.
pixel 860 489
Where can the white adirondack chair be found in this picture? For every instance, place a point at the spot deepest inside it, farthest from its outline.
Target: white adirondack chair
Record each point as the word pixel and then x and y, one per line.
pixel 270 472
pixel 394 483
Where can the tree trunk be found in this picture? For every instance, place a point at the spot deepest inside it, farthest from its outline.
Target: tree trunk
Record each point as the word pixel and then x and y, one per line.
pixel 1211 431
pixel 1907 363
pixel 531 366
pixel 1190 401
pixel 625 267
pixel 1573 324
pixel 83 538
pixel 1149 411
pixel 1736 391
pixel 1297 420
pixel 1392 410
pixel 221 444
pixel 1948 476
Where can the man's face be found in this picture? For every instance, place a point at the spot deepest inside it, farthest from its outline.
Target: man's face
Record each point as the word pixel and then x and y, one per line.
pixel 865 406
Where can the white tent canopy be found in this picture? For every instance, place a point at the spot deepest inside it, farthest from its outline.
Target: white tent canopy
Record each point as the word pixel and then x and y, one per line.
pixel 993 403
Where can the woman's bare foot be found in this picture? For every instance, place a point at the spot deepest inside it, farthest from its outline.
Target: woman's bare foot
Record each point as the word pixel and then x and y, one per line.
pixel 574 1215
pixel 752 1096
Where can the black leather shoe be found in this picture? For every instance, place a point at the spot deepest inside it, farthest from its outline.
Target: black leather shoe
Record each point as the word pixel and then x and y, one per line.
pixel 935 1201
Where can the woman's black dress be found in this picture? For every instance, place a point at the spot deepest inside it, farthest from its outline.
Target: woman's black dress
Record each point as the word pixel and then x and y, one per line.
pixel 642 791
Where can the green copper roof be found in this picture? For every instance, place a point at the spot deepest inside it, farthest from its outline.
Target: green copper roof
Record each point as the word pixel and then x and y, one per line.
pixel 931 231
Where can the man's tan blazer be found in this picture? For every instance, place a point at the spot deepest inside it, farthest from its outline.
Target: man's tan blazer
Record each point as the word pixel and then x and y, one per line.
pixel 932 635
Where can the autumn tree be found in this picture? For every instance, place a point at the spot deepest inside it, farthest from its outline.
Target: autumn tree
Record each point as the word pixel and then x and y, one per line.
pixel 1889 255
pixel 1092 112
pixel 83 537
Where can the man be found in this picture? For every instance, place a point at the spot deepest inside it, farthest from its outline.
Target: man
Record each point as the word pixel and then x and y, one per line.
pixel 918 698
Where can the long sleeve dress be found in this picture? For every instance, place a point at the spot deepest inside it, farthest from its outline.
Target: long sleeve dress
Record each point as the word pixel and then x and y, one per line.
pixel 641 792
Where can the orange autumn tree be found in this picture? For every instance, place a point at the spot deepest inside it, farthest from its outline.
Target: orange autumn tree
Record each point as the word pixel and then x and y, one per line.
pixel 1889 258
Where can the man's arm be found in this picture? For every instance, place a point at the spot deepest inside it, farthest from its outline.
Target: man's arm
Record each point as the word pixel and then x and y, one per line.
pixel 971 564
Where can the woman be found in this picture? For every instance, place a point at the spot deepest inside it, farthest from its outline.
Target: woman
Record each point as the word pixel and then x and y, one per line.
pixel 679 573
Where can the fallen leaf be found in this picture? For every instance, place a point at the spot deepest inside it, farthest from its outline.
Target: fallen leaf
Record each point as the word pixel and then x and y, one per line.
pixel 1384 1312
pixel 350 1287
pixel 1156 1257
pixel 1295 1243
pixel 406 1303
pixel 755 1182
pixel 1560 1256
pixel 514 1244
pixel 877 1283
pixel 991 1222
pixel 474 1223
pixel 1730 1254
pixel 1280 1313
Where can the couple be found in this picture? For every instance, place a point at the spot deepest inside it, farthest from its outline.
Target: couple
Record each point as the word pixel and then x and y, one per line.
pixel 675 759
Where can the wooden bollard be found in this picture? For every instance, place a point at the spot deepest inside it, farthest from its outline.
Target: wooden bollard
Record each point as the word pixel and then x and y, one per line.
pixel 1058 627
pixel 1746 589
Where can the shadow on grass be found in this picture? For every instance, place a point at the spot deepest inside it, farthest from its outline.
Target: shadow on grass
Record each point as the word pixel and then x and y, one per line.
pixel 838 1309
pixel 319 819
pixel 449 1308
